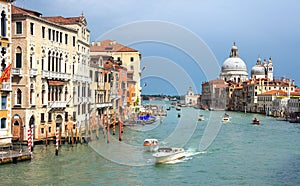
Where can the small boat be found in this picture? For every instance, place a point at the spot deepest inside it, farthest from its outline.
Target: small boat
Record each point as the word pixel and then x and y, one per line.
pixel 225 118
pixel 178 115
pixel 169 108
pixel 164 155
pixel 201 118
pixel 178 109
pixel 255 121
pixel 151 145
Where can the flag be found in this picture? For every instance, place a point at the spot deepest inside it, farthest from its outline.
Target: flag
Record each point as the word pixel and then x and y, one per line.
pixel 145 84
pixel 5 74
pixel 143 68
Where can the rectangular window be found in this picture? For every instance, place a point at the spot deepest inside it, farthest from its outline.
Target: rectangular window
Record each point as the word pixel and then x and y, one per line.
pixel 3 123
pixel 42 130
pixel 18 60
pixel 96 76
pixel 31 28
pixel 49 117
pixel 74 116
pixel 131 59
pixel 66 39
pixel 74 44
pixel 66 116
pixel 18 27
pixel 49 34
pixel 57 35
pixel 53 35
pixel 60 37
pixel 43 32
pixel 91 74
pixel 3 102
pixel 49 129
pixel 42 117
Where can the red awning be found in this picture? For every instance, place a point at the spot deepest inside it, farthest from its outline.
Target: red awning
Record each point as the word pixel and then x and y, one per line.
pixel 56 83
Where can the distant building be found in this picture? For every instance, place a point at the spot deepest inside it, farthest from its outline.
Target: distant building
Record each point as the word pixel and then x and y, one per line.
pixel 254 87
pixel 293 105
pixel 191 98
pixel 130 59
pixel 262 70
pixel 214 94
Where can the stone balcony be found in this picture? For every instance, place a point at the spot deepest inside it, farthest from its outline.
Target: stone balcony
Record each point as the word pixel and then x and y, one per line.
pixel 103 105
pixel 6 86
pixel 57 104
pixel 81 78
pixel 55 75
pixel 16 71
pixel 33 72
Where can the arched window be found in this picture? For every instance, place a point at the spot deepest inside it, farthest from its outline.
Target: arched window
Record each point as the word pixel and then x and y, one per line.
pixel 31 94
pixel 66 93
pixel 3 123
pixel 43 94
pixel 49 60
pixel 19 97
pixel 53 58
pixel 18 57
pixel 3 24
pixel 57 63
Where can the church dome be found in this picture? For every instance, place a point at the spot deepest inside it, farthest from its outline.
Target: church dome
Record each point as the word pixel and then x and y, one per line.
pixel 258 70
pixel 234 64
pixel 234 68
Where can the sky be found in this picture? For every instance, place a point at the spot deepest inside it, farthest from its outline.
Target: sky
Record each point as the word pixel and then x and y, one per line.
pixel 260 28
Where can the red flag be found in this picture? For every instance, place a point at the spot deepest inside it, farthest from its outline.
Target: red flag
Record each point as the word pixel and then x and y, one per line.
pixel 5 74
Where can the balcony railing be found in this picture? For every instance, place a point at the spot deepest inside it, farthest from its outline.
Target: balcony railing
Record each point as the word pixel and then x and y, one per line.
pixel 57 104
pixel 102 105
pixel 33 72
pixel 82 78
pixel 6 86
pixel 56 75
pixel 16 72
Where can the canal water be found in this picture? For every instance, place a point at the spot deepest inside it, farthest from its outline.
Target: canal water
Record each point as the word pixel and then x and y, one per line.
pixel 234 153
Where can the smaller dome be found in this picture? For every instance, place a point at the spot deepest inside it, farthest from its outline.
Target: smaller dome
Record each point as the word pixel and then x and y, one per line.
pixel 258 70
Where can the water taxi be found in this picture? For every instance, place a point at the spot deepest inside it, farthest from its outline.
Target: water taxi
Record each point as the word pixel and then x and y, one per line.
pixel 151 145
pixel 164 155
pixel 255 121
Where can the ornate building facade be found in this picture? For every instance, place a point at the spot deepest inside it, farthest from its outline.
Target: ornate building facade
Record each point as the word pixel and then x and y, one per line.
pixel 130 59
pixel 50 75
pixel 5 79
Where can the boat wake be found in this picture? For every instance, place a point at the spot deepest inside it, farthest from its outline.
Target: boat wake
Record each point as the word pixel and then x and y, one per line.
pixel 189 154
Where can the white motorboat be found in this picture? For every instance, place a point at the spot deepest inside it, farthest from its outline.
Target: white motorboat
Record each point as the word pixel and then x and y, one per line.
pixel 201 118
pixel 225 118
pixel 164 155
pixel 151 145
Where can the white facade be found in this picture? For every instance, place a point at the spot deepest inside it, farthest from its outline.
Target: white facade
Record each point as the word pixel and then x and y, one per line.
pixel 190 97
pixel 234 68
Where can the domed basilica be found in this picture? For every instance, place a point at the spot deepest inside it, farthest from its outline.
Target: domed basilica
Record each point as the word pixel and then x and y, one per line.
pixel 234 68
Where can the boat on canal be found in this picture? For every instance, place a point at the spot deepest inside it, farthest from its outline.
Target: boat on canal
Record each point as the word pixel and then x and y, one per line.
pixel 151 144
pixel 201 118
pixel 225 118
pixel 164 155
pixel 255 121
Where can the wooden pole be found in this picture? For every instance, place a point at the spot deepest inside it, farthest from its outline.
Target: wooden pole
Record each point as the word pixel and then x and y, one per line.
pixel 46 136
pixel 56 141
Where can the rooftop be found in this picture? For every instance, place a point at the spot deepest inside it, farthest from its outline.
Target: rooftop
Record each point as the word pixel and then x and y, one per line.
pixel 110 46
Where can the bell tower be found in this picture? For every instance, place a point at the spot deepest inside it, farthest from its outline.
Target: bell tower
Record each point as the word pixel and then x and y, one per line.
pixel 270 69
